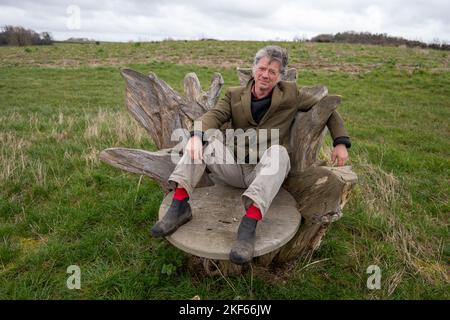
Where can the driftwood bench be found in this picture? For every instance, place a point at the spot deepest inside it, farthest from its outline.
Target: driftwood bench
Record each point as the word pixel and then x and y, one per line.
pixel 311 199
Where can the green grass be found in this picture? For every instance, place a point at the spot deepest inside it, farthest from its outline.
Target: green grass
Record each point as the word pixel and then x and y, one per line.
pixel 59 205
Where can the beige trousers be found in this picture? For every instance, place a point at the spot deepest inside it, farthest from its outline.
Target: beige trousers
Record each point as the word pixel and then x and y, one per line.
pixel 261 181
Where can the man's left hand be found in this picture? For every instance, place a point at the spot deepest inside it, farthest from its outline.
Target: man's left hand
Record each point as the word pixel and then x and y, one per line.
pixel 340 154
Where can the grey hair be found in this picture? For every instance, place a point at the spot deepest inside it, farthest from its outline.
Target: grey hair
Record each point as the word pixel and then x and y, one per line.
pixel 274 53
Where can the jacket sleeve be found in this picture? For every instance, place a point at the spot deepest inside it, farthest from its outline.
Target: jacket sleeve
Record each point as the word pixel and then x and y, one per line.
pixel 336 126
pixel 217 116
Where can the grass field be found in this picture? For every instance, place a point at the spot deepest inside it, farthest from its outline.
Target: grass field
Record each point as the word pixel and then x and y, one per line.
pixel 61 105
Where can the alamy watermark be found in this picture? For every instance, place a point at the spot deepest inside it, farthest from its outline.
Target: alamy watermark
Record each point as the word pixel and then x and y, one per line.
pixel 235 146
pixel 74 19
pixel 374 281
pixel 74 280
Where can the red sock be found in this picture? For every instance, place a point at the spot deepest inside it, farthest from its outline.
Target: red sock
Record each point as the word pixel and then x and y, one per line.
pixel 180 194
pixel 253 212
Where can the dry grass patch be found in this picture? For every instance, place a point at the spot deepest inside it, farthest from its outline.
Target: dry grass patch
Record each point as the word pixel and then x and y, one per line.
pixel 119 127
pixel 384 196
pixel 13 157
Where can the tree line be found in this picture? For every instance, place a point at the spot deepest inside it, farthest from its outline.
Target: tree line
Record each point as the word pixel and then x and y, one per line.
pixel 377 39
pixel 19 36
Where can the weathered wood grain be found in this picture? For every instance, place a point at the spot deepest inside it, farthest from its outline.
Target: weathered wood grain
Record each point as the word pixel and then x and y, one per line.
pixel 321 193
pixel 161 110
pixel 308 130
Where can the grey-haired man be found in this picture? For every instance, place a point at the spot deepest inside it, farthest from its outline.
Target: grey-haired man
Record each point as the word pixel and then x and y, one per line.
pixel 264 103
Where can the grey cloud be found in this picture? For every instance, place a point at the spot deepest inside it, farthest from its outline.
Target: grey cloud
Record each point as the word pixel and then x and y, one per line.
pixel 236 19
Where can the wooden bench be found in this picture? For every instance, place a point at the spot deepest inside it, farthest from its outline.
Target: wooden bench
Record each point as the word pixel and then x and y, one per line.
pixel 311 199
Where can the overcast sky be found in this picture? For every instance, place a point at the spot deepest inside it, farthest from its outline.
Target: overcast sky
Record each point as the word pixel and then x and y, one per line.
pixel 124 20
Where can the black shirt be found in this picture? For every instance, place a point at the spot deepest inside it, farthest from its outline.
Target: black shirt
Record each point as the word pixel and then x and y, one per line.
pixel 260 106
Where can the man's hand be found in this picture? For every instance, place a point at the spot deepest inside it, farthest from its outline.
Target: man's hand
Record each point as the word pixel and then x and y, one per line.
pixel 340 154
pixel 194 148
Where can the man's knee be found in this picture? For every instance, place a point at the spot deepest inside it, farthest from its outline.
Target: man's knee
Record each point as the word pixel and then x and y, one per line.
pixel 280 153
pixel 276 158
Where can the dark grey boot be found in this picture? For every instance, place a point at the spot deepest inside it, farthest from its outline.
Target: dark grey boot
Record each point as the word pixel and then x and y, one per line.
pixel 243 249
pixel 178 214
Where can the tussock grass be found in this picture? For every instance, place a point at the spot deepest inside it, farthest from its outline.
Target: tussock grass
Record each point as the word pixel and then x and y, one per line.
pixel 384 195
pixel 106 124
pixel 13 158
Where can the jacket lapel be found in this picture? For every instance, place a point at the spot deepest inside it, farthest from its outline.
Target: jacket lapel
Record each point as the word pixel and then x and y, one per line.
pixel 246 101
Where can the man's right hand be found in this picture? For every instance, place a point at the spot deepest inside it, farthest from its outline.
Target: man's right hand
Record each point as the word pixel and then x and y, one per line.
pixel 194 148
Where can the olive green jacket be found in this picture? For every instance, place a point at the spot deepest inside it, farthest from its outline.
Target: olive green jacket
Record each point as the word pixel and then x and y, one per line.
pixel 286 101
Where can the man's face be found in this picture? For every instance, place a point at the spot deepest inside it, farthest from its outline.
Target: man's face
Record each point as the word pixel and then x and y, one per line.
pixel 266 74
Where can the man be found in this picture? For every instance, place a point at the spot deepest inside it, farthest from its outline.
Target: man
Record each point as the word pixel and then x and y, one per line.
pixel 265 103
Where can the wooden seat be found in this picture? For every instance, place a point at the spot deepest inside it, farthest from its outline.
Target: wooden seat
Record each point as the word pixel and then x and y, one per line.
pixel 217 212
pixel 318 192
